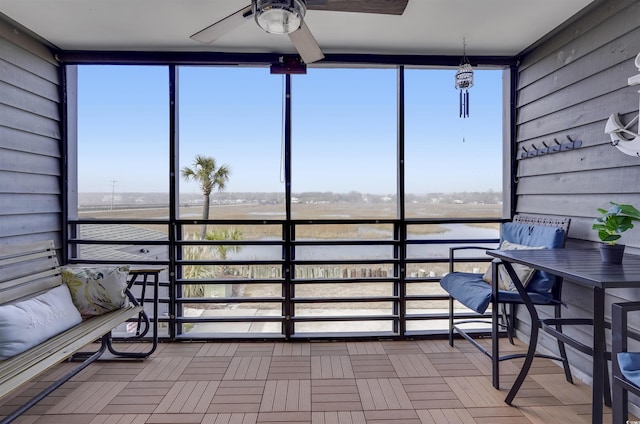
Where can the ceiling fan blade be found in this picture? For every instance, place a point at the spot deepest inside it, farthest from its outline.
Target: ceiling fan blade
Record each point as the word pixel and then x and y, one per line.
pixel 217 30
pixel 306 44
pixel 386 7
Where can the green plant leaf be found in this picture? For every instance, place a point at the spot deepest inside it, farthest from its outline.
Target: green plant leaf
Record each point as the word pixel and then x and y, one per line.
pixel 630 211
pixel 608 237
pixel 614 221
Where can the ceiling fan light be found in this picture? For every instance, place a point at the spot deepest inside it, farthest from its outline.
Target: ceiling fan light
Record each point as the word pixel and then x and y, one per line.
pixel 279 16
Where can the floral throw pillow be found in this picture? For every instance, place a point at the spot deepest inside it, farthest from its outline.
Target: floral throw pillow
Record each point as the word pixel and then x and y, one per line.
pixel 97 290
pixel 523 272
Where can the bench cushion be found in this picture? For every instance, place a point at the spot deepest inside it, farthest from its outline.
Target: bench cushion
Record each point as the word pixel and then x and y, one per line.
pixel 26 323
pixel 21 368
pixel 97 290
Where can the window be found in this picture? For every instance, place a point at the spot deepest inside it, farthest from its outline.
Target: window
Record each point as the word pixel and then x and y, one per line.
pixel 453 165
pixel 233 115
pixel 122 159
pixel 344 141
pixel 351 270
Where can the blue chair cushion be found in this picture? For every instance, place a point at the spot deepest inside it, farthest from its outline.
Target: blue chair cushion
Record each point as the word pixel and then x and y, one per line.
pixel 535 235
pixel 475 293
pixel 469 289
pixel 630 366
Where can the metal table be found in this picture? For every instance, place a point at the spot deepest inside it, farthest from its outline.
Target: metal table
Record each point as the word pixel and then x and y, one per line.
pixel 143 276
pixel 583 267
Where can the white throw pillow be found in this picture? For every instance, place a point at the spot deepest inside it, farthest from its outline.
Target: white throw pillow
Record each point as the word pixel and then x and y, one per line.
pixel 97 290
pixel 27 323
pixel 523 272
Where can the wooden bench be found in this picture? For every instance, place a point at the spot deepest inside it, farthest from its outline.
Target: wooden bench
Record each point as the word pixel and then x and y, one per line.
pixel 31 269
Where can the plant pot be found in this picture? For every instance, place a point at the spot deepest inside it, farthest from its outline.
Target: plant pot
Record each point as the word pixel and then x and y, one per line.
pixel 612 253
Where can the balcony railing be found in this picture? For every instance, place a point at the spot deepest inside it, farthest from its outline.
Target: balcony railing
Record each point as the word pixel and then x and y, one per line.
pixel 291 279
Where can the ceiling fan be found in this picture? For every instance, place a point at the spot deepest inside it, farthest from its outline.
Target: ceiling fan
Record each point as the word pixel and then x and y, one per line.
pixel 287 17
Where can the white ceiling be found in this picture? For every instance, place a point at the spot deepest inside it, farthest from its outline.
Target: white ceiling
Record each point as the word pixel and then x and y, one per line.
pixel 429 27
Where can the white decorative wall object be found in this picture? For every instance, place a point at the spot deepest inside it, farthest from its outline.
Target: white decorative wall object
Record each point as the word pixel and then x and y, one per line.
pixel 626 140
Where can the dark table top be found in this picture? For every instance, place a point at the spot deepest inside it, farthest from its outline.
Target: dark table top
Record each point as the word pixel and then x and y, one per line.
pixel 583 266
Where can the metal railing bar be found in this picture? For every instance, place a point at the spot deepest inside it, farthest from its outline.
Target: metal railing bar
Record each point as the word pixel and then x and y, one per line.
pixel 231 336
pixel 213 300
pixel 378 242
pixel 450 241
pixel 232 281
pixel 340 318
pixel 356 299
pixel 229 243
pixel 118 221
pixel 249 318
pixel 344 261
pixel 121 241
pixel 117 262
pixel 230 262
pixel 363 280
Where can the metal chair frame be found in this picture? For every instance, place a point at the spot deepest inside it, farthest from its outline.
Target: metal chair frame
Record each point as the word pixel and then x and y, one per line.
pixel 505 321
pixel 620 335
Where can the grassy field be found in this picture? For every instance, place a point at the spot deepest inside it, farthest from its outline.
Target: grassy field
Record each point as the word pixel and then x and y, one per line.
pixel 313 212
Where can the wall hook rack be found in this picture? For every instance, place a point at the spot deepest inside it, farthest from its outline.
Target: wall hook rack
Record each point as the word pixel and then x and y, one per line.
pixel 549 148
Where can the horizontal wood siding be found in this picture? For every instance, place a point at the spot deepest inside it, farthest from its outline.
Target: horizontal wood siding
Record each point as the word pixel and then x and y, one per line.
pixel 568 86
pixel 30 140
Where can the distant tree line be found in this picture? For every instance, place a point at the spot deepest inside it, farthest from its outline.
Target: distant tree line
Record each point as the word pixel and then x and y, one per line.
pixel 487 197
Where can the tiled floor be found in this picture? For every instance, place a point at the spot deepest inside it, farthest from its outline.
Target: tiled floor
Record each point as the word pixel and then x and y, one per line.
pixel 320 383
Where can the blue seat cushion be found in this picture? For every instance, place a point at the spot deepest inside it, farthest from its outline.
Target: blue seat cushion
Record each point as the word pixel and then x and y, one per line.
pixel 630 366
pixel 475 293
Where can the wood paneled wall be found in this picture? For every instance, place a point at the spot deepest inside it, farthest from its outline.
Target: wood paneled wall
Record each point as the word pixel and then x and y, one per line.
pixel 30 140
pixel 569 85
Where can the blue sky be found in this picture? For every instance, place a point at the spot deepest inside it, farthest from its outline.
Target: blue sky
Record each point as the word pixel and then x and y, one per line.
pixel 344 129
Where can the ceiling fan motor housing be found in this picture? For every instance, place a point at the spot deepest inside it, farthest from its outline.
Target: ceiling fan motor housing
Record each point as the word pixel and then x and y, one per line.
pixel 279 16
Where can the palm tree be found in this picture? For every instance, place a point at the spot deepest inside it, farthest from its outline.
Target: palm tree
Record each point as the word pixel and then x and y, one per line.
pixel 206 253
pixel 219 234
pixel 209 176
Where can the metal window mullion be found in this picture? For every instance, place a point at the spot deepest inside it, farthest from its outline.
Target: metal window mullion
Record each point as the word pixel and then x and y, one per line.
pixel 174 228
pixel 401 228
pixel 288 289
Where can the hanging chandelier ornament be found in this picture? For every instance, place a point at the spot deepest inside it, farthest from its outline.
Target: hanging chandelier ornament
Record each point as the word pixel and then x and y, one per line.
pixel 464 81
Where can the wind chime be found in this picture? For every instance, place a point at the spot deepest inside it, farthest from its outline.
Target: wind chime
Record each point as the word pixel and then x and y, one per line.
pixel 464 81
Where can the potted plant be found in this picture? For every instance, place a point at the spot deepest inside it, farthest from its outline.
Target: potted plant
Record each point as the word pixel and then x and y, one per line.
pixel 610 225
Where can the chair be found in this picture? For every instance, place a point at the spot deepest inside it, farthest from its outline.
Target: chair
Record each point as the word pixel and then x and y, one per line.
pixel 626 365
pixel 474 292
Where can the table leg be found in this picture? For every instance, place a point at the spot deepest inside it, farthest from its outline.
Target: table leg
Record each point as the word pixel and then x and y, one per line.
pixel 495 347
pixel 533 337
pixel 599 362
